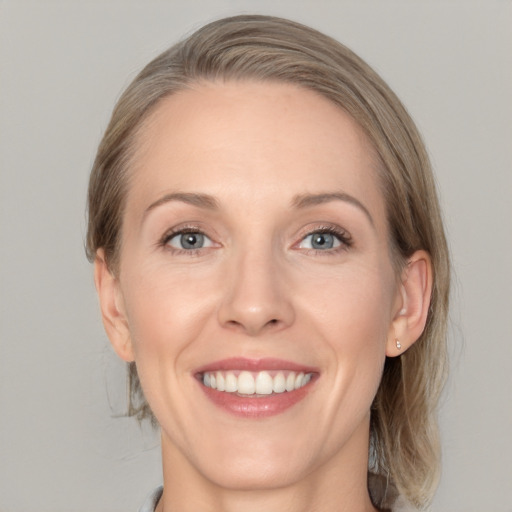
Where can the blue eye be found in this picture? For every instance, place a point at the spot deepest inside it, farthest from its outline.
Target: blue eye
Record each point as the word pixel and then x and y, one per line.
pixel 320 241
pixel 189 241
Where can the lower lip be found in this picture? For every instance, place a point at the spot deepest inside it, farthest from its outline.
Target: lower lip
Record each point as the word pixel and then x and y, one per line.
pixel 256 406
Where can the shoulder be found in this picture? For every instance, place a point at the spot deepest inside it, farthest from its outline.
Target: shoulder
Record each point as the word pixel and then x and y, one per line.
pixel 152 500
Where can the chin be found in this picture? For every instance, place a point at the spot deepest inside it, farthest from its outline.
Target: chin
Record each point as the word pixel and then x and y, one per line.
pixel 255 474
pixel 251 458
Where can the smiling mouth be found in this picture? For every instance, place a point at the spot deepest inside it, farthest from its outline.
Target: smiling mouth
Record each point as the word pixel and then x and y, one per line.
pixel 255 384
pixel 256 388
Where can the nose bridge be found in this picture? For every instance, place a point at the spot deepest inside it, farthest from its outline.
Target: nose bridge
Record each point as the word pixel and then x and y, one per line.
pixel 256 296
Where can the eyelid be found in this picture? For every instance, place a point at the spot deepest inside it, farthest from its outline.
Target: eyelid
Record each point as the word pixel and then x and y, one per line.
pixel 183 229
pixel 340 233
pixel 178 230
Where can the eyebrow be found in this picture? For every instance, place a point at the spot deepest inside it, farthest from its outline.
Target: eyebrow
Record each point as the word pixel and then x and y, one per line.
pixel 300 201
pixel 308 200
pixel 200 200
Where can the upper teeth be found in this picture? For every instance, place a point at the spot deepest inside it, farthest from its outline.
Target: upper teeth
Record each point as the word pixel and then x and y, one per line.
pixel 259 383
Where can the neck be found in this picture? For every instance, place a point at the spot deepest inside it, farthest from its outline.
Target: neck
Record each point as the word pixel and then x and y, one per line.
pixel 338 485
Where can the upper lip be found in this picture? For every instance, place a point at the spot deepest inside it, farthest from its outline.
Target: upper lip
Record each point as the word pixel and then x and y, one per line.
pixel 255 365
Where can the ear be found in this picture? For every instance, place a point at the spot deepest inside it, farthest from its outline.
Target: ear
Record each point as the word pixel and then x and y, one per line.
pixel 412 305
pixel 112 308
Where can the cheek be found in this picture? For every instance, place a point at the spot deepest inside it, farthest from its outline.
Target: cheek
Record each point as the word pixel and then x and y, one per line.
pixel 166 314
pixel 353 313
pixel 166 310
pixel 353 303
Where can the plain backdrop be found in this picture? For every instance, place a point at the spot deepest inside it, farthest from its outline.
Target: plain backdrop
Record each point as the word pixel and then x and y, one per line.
pixel 64 445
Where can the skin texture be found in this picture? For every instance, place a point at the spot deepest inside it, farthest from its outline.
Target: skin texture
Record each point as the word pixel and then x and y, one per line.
pixel 258 289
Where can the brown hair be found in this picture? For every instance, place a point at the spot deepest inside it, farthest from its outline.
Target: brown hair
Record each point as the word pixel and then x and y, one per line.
pixel 404 434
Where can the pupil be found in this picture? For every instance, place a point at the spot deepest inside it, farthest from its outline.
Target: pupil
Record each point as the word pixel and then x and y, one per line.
pixel 323 241
pixel 191 240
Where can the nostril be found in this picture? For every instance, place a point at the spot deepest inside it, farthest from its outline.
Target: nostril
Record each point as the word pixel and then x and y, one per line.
pixel 273 324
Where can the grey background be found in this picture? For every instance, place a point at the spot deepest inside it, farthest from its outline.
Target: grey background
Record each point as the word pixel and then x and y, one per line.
pixel 63 64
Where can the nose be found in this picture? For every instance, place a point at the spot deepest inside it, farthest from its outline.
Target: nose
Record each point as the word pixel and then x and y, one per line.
pixel 256 298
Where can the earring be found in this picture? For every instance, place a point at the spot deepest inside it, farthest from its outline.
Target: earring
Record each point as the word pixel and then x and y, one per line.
pixel 398 345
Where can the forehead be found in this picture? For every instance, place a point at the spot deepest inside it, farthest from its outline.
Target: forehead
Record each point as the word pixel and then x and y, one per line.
pixel 256 141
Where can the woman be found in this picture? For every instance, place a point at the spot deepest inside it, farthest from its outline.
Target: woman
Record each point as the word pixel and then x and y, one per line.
pixel 270 260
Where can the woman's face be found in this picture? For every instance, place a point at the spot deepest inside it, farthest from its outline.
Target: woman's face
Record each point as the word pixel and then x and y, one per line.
pixel 255 260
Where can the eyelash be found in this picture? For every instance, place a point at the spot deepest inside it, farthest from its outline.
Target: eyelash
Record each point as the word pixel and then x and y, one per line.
pixel 169 235
pixel 343 237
